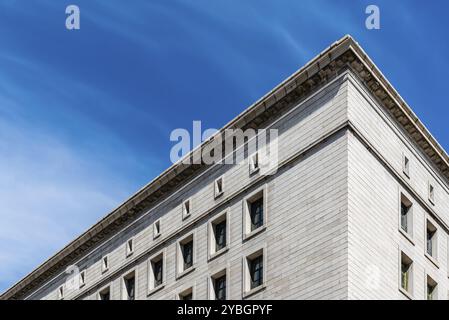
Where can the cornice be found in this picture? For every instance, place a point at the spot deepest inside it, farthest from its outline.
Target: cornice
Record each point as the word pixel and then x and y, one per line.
pixel 340 56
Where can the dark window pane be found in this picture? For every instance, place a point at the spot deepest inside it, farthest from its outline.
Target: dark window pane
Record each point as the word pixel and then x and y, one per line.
pixel 256 212
pixel 430 242
pixel 220 288
pixel 187 296
pixel 220 235
pixel 157 270
pixel 256 271
pixel 187 254
pixel 105 295
pixel 130 287
pixel 404 212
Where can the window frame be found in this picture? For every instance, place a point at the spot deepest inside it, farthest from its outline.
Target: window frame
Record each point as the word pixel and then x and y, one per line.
pixel 408 293
pixel 212 252
pixel 435 243
pixel 123 284
pixel 251 198
pixel 186 213
pixel 152 288
pixel 82 278
pixel 184 290
pixel 435 287
pixel 105 266
pixel 102 289
pixel 406 165
pixel 246 284
pixel 409 234
pixel 218 193
pixel 254 163
pixel 211 283
pixel 180 271
pixel 157 231
pixel 431 192
pixel 130 250
pixel 61 292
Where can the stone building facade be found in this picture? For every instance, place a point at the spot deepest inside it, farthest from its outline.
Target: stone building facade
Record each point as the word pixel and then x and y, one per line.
pixel 357 207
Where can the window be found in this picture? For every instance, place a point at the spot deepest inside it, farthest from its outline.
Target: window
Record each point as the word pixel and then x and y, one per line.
pixel 105 294
pixel 218 235
pixel 186 294
pixel 406 218
pixel 185 257
pixel 254 213
pixel 217 286
pixel 431 193
pixel 218 187
pixel 156 229
pixel 254 163
pixel 432 286
pixel 156 275
pixel 104 264
pixel 406 165
pixel 406 274
pixel 186 209
pixel 82 278
pixel 129 287
pixel 431 240
pixel 129 247
pixel 254 272
pixel 61 292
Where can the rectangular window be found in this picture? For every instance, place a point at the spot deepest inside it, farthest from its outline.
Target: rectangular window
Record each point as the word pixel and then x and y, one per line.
pixel 156 229
pixel 431 193
pixel 254 163
pixel 105 294
pixel 254 213
pixel 82 278
pixel 129 286
pixel 432 286
pixel 431 240
pixel 218 187
pixel 186 208
pixel 104 264
pixel 218 235
pixel 156 266
pixel 220 288
pixel 61 292
pixel 406 215
pixel 129 247
pixel 254 272
pixel 185 256
pixel 406 165
pixel 406 273
pixel 186 294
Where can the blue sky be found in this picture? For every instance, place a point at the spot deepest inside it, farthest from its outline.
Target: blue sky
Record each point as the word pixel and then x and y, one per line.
pixel 86 115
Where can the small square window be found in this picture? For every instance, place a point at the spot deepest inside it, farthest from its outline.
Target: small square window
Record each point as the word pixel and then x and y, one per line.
pixel 129 247
pixel 255 212
pixel 185 255
pixel 82 278
pixel 218 187
pixel 156 272
pixel 431 239
pixel 254 163
pixel 218 235
pixel 431 193
pixel 254 274
pixel 105 294
pixel 406 274
pixel 431 289
pixel 105 264
pixel 129 286
pixel 186 208
pixel 61 292
pixel 406 166
pixel 217 286
pixel 186 294
pixel 156 229
pixel 406 215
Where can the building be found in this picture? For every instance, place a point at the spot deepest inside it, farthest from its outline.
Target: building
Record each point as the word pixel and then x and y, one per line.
pixel 357 208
